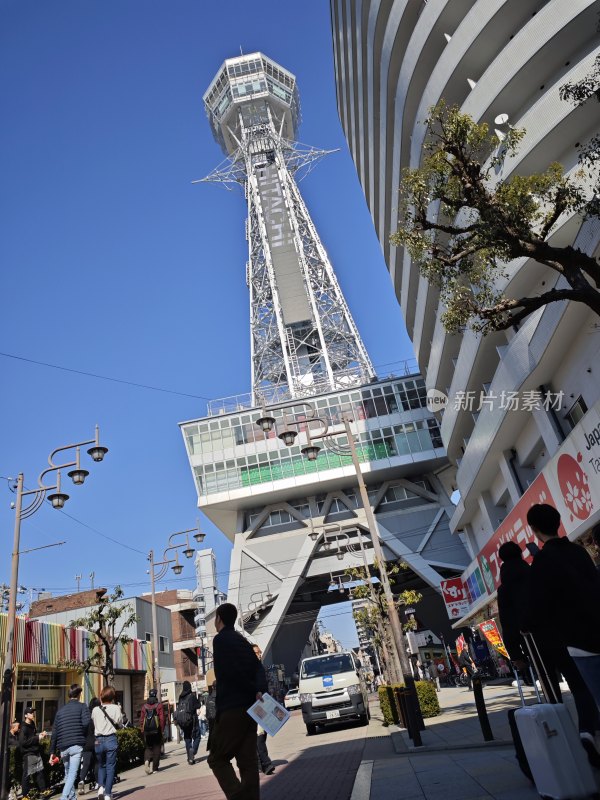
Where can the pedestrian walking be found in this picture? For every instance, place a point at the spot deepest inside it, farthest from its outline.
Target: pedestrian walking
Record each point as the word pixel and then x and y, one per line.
pixel 202 720
pixel 513 603
pixel 13 734
pixel 187 719
pixel 211 710
pixel 69 733
pixel 264 759
pixel 152 725
pixel 29 743
pixel 89 767
pixel 564 616
pixel 468 666
pixel 433 675
pixel 107 719
pixel 13 744
pixel 241 681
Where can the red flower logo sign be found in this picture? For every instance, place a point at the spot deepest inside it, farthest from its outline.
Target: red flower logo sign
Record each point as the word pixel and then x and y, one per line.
pixel 574 486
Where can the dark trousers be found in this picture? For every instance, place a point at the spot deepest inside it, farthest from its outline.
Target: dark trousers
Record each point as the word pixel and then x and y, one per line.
pixel 152 749
pixel 88 772
pixel 264 759
pixel 29 779
pixel 211 727
pixel 559 661
pixel 192 741
pixel 234 736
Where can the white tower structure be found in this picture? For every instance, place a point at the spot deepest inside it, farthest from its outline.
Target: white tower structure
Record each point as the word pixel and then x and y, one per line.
pixel 297 525
pixel 303 338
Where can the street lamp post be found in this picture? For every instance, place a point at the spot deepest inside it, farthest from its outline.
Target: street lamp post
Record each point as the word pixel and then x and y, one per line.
pixel 394 667
pixel 311 450
pixel 58 498
pixel 177 568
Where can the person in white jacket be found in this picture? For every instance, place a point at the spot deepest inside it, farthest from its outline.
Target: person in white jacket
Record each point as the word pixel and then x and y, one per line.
pixel 107 719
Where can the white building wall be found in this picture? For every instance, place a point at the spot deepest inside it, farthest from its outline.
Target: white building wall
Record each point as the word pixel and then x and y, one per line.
pixel 518 55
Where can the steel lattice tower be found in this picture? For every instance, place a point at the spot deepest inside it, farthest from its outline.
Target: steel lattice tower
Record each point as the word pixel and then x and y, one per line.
pixel 303 338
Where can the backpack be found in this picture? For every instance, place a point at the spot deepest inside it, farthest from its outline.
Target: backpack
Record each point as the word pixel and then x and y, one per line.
pixel 183 716
pixel 150 723
pixel 211 707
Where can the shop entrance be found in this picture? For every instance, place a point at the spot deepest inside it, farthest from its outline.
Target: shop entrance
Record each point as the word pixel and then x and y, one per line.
pixel 45 690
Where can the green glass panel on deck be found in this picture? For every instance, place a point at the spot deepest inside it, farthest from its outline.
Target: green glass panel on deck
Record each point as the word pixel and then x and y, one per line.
pixel 251 476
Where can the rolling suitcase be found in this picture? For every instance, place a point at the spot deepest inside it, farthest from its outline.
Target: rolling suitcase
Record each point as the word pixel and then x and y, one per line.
pixel 552 747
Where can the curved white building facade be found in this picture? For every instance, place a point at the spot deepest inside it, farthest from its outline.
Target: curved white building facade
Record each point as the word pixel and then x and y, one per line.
pixel 394 59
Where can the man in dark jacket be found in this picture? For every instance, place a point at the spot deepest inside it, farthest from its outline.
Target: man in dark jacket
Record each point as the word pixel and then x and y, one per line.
pixel 264 759
pixel 187 719
pixel 152 725
pixel 565 590
pixel 241 681
pixel 69 733
pixel 31 750
pixel 89 765
pixel 513 600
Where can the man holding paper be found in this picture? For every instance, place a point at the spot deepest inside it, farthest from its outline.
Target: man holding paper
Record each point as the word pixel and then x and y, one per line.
pixel 241 680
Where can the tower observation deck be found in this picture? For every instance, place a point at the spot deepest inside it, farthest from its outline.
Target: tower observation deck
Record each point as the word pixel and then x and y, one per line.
pixel 303 338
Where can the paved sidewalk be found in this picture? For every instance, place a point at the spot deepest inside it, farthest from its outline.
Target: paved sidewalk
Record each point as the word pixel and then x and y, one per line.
pixel 312 767
pixel 454 763
pixel 350 762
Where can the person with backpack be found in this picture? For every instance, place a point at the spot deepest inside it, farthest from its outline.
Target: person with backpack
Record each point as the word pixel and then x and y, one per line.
pixel 241 681
pixel 211 710
pixel 187 719
pixel 152 724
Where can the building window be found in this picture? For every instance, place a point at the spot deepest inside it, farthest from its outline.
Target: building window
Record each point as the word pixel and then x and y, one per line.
pixel 576 412
pixel 148 637
pixel 163 644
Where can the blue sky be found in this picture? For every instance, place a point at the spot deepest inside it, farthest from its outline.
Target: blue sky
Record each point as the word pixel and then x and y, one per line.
pixel 115 264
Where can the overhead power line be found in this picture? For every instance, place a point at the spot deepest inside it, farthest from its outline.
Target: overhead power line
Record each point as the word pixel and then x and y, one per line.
pixel 132 383
pixel 104 377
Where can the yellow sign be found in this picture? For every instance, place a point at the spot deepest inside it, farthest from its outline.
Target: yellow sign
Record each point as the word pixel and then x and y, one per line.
pixel 492 634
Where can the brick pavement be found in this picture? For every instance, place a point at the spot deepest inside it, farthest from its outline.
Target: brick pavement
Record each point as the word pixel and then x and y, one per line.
pixel 350 762
pixel 306 767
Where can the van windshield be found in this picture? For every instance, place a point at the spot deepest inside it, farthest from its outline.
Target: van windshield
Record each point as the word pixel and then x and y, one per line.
pixel 328 665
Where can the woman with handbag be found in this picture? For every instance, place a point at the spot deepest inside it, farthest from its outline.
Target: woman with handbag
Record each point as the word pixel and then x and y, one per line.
pixel 107 719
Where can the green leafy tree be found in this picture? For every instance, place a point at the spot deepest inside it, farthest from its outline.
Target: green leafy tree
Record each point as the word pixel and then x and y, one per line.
pixel 373 617
pixel 462 223
pixel 107 623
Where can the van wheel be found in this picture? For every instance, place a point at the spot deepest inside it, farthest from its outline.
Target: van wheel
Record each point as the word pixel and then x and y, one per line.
pixel 364 718
pixel 311 729
pixel 368 713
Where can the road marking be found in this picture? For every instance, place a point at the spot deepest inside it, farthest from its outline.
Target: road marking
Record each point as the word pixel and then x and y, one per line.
pixel 362 783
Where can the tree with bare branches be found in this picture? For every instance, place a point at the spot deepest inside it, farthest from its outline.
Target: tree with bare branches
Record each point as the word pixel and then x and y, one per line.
pixel 463 223
pixel 108 623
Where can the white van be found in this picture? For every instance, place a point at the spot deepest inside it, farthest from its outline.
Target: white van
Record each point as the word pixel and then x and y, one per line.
pixel 332 689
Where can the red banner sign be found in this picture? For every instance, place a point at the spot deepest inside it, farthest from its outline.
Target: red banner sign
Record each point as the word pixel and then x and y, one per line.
pixel 514 528
pixel 455 597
